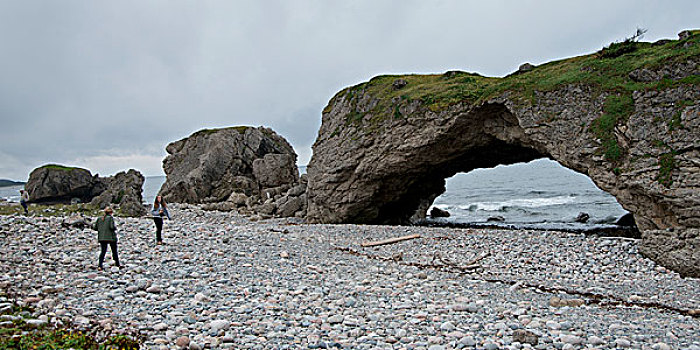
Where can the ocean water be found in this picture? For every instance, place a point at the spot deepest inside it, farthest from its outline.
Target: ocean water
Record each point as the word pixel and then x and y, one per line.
pixel 10 193
pixel 538 194
pixel 151 186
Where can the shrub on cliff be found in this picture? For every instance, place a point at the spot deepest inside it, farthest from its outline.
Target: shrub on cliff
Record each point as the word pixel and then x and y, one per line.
pixel 618 49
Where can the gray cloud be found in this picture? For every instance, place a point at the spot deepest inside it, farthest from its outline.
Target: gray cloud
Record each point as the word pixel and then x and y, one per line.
pixel 109 84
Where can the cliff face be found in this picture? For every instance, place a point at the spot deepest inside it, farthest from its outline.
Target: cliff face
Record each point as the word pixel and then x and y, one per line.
pixel 629 120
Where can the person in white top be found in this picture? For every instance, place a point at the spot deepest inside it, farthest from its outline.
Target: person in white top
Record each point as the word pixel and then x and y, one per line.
pixel 23 199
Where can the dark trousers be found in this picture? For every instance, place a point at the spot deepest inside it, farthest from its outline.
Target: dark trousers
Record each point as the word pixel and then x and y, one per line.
pixel 24 205
pixel 113 246
pixel 159 228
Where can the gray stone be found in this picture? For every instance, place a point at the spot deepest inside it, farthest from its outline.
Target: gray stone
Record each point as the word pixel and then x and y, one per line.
pixel 491 346
pixel 467 341
pixel 154 289
pixel 447 326
pixel 291 206
pixel 34 323
pixel 661 346
pixel 571 339
pixel 335 319
pixel 622 343
pixel 594 340
pixel 219 325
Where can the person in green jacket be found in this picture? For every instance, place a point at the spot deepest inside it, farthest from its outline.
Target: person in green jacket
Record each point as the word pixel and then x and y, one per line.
pixel 107 234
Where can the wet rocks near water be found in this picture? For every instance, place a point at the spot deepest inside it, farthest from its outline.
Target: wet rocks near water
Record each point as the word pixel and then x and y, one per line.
pixel 582 218
pixel 222 281
pixel 439 213
pixel 497 218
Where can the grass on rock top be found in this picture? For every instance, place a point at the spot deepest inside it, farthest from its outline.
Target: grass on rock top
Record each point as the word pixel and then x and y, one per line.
pixel 240 129
pixel 59 167
pixel 437 92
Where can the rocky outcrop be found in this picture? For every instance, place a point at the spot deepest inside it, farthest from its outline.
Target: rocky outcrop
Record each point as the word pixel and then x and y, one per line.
pixel 630 123
pixel 53 184
pixel 241 168
pixel 60 184
pixel 123 189
pixel 677 249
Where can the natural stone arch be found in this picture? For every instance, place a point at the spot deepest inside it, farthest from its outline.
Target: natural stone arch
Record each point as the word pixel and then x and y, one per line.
pixel 483 138
pixel 381 155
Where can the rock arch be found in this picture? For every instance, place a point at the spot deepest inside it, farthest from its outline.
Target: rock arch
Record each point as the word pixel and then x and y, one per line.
pixel 380 156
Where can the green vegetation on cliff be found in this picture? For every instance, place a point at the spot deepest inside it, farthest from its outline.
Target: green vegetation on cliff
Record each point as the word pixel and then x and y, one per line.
pixel 437 92
pixel 60 167
pixel 608 73
pixel 240 129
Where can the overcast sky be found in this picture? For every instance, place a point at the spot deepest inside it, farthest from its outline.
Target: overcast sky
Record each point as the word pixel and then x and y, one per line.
pixel 106 85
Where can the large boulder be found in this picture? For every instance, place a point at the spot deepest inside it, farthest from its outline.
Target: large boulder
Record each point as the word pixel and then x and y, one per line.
pixel 382 154
pixel 60 184
pixel 210 165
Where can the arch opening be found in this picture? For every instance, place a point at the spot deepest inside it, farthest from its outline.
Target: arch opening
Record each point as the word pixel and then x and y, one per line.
pixel 539 194
pixel 419 189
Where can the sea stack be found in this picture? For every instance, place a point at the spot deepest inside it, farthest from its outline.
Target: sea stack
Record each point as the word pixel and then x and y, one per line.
pixel 230 168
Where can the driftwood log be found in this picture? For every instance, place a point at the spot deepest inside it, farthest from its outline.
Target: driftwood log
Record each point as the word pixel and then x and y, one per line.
pixel 390 240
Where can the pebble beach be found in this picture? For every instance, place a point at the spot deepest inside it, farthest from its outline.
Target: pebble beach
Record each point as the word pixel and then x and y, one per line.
pixel 222 280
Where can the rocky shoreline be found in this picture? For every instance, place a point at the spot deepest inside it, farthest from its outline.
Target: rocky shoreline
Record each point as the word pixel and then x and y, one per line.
pixel 224 281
